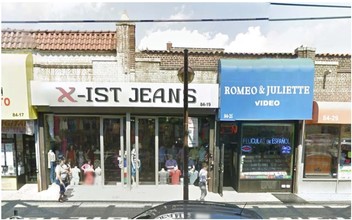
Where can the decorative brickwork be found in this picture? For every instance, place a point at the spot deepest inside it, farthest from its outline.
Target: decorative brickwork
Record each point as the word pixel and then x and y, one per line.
pixel 107 56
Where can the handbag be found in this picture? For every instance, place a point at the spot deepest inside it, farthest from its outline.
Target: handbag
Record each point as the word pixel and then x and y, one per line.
pixel 196 182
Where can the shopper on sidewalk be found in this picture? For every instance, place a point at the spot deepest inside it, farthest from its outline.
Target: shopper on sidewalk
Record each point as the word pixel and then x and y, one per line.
pixel 61 175
pixel 203 177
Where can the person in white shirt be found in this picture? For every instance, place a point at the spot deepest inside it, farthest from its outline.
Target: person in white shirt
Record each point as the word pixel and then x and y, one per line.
pixel 61 175
pixel 203 177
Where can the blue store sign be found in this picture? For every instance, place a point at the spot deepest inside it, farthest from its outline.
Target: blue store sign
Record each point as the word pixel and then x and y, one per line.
pixel 266 89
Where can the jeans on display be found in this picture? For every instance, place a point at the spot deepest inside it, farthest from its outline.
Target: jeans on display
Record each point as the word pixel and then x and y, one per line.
pixel 203 190
pixel 52 172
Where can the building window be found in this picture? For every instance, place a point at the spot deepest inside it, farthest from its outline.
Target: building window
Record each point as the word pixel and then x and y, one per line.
pixel 267 151
pixel 75 138
pixel 345 153
pixel 327 151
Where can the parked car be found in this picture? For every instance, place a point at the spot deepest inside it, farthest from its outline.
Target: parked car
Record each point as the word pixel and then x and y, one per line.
pixel 197 210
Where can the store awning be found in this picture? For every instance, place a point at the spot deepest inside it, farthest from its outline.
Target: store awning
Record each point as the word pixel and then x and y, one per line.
pixel 16 73
pixel 331 113
pixel 266 89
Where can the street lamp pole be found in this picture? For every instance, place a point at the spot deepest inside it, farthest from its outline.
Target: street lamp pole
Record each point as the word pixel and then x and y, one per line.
pixel 185 127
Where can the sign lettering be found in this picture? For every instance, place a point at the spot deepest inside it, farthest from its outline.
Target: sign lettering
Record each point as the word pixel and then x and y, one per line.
pixel 126 94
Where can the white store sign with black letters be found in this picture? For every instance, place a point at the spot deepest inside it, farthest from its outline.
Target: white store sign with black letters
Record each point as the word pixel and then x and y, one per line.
pixel 118 94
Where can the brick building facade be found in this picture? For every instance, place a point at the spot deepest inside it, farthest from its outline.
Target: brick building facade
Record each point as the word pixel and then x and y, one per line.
pixel 111 57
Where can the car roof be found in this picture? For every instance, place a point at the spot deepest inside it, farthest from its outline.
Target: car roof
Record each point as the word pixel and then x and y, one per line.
pixel 198 210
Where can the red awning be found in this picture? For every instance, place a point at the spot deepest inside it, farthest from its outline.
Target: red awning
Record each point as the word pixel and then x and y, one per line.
pixel 331 113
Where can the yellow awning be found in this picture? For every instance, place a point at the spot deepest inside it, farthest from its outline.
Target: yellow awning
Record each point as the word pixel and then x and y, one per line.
pixel 331 113
pixel 16 73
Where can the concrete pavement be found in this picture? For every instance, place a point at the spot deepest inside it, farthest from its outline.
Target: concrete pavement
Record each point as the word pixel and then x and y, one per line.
pixel 163 193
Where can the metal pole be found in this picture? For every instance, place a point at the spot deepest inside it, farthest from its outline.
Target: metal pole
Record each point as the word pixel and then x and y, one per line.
pixel 185 127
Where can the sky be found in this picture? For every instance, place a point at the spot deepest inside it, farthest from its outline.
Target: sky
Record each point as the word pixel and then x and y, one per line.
pixel 326 36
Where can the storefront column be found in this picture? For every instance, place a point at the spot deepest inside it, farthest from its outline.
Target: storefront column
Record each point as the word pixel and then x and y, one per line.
pixel 42 180
pixel 128 148
pixel 157 151
pixel 102 150
pixel 299 159
pixel 211 146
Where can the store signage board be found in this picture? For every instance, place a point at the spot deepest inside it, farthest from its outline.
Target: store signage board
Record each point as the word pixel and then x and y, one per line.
pixel 16 71
pixel 88 94
pixel 266 89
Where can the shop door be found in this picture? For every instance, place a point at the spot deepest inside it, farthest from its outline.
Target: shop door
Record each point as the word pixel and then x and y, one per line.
pixel 111 142
pixel 30 159
pixel 145 130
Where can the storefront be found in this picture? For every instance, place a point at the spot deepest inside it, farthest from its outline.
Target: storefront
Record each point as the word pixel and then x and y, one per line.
pixel 262 105
pixel 18 155
pixel 104 121
pixel 326 165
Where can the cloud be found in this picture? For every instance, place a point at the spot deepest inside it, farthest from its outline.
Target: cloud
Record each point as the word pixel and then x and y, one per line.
pixel 326 37
pixel 252 41
pixel 182 38
pixel 181 13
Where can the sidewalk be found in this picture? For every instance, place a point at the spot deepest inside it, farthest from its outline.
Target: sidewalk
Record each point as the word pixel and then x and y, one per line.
pixel 159 194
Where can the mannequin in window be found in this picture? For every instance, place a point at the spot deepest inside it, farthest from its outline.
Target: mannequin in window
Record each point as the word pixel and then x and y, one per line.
pixel 162 156
pixel 80 156
pixel 80 159
pixel 135 164
pixel 170 164
pixel 163 176
pixel 192 174
pixel 52 165
pixel 75 175
pixel 88 170
pixel 175 176
pixel 97 179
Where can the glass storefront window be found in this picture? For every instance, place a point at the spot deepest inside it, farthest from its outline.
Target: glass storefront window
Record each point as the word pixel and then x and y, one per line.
pixel 345 153
pixel 267 151
pixel 74 137
pixel 78 138
pixel 171 146
pixel 322 151
pixel 8 159
pixel 112 147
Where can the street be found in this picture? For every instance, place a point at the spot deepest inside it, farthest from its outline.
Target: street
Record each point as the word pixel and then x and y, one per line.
pixel 118 210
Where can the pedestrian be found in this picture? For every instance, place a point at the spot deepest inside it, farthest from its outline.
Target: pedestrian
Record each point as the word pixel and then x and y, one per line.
pixel 203 177
pixel 61 175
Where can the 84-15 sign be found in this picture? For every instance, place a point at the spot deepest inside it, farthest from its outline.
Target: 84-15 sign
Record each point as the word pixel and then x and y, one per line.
pixel 203 104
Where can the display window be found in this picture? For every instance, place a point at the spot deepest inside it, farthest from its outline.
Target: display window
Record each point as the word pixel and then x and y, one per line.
pixel 266 151
pixel 8 161
pixel 327 151
pixel 12 155
pixel 171 152
pixel 78 139
pixel 75 138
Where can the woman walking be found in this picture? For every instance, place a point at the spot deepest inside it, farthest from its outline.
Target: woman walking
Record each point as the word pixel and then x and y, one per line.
pixel 203 177
pixel 61 175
